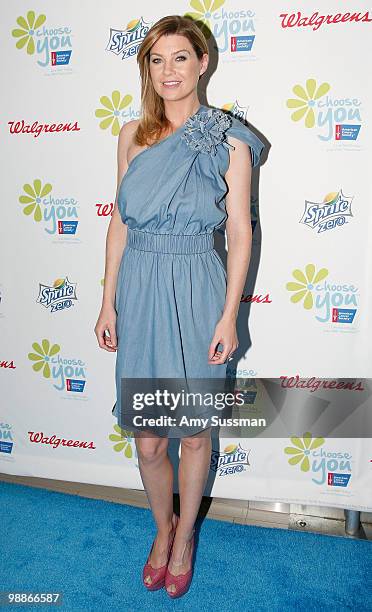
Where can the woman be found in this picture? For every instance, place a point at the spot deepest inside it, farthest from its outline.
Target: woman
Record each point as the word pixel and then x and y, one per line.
pixel 166 307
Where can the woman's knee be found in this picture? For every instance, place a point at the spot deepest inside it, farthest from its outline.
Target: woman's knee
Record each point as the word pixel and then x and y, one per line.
pixel 197 442
pixel 150 450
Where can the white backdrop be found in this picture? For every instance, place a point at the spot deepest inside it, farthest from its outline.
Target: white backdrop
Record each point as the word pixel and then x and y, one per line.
pixel 70 81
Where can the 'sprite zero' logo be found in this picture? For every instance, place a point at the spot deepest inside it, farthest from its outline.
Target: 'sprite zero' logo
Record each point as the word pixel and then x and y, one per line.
pixel 233 460
pixel 58 296
pixel 328 215
pixel 126 42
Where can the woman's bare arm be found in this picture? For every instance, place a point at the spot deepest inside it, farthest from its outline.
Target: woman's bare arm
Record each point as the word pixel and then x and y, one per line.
pixel 117 230
pixel 238 225
pixel 239 240
pixel 116 239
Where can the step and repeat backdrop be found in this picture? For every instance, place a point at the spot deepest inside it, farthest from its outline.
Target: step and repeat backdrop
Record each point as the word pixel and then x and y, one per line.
pixel 297 74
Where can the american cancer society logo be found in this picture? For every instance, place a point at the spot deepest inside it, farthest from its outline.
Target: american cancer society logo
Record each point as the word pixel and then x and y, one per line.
pixel 333 212
pixel 57 214
pixel 233 30
pixel 331 301
pixel 233 460
pixel 334 118
pixel 51 45
pixel 125 43
pixel 325 466
pixel 6 439
pixel 66 373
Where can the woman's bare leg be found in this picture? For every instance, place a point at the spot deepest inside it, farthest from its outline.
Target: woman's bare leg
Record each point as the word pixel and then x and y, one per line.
pixel 157 477
pixel 193 475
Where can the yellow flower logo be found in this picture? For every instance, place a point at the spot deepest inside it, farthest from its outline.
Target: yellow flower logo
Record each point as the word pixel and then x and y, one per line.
pixel 111 111
pixel 42 356
pixel 26 32
pixel 305 101
pixel 123 441
pixel 306 281
pixel 203 14
pixel 33 198
pixel 301 450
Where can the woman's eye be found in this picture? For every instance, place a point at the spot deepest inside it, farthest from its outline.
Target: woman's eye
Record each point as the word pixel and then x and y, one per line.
pixel 157 59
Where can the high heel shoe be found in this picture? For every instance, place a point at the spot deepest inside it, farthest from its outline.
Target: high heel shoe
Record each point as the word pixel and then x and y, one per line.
pixel 157 574
pixel 182 581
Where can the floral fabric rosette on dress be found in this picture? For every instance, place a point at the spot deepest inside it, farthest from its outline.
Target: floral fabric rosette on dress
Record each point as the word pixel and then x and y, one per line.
pixel 206 129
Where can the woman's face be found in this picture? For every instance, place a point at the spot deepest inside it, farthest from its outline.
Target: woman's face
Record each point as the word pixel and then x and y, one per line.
pixel 174 67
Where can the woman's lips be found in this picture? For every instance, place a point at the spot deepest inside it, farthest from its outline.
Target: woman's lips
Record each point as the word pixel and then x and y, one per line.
pixel 171 84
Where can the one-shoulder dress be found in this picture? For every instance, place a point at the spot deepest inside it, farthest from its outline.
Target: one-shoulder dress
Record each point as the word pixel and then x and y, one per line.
pixel 171 283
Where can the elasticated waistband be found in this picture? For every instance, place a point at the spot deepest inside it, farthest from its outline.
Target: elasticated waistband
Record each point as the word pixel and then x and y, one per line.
pixel 169 243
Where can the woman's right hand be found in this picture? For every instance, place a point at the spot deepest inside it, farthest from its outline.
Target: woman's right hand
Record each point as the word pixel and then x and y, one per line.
pixel 106 321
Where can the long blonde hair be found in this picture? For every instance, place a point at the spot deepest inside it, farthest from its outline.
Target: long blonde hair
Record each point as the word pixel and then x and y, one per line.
pixel 153 119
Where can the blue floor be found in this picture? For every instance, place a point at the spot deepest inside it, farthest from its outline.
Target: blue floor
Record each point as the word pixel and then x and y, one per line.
pixel 92 552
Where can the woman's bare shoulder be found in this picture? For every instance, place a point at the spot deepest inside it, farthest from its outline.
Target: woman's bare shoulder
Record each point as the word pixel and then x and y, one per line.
pixel 127 132
pixel 126 139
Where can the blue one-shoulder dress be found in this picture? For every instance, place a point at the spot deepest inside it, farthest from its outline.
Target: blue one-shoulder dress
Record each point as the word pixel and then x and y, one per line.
pixel 171 284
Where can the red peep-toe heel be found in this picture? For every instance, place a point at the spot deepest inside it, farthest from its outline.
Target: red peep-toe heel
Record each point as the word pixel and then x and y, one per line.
pixel 157 574
pixel 182 581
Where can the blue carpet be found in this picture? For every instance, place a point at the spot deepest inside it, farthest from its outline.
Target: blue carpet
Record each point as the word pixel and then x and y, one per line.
pixel 92 552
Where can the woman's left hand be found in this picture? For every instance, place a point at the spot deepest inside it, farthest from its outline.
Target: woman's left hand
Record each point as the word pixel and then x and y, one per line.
pixel 225 334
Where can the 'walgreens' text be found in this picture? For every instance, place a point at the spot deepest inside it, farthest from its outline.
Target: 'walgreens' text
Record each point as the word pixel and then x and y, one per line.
pixel 20 127
pixel 290 20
